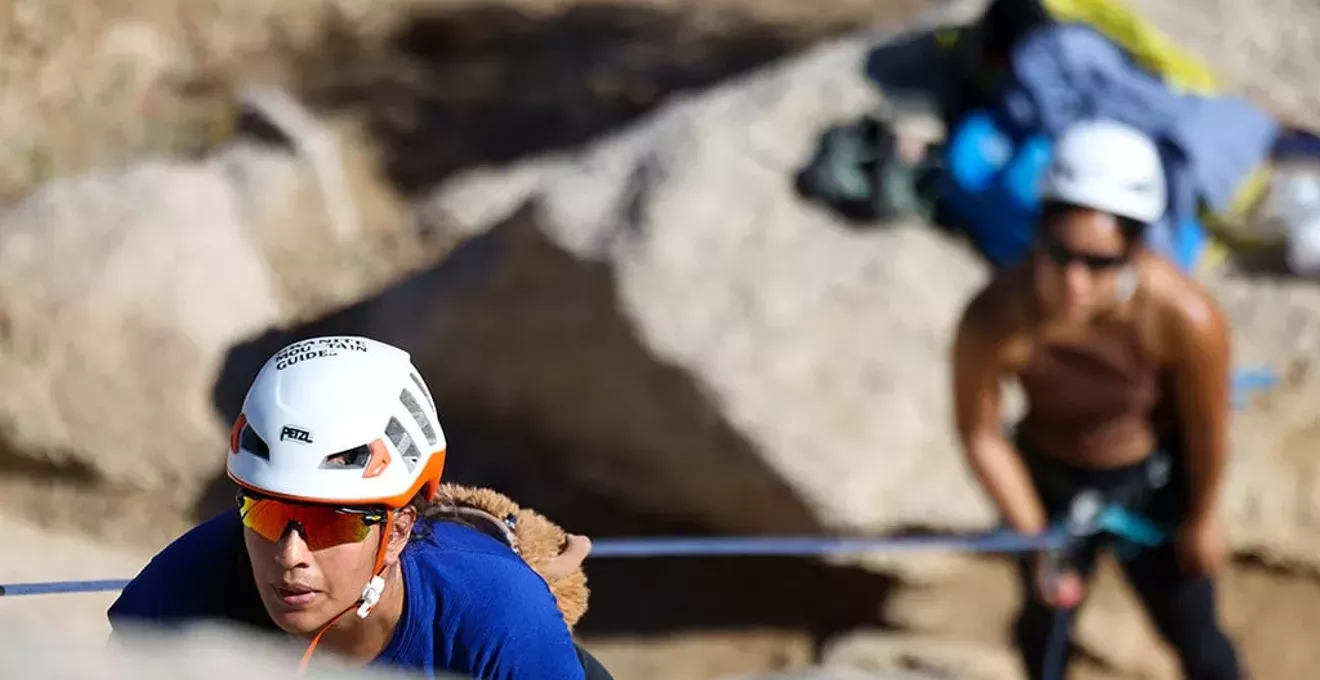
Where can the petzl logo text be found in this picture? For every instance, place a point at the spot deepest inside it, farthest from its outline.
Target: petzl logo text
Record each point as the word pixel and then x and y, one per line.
pixel 295 434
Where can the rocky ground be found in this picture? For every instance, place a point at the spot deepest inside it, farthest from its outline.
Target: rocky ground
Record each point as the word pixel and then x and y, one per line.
pixel 595 256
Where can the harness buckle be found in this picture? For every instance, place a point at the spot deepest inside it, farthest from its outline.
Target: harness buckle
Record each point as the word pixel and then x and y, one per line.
pixel 1091 513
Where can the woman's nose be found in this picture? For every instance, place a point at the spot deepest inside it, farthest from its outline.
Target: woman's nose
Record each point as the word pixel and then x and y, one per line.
pixel 291 550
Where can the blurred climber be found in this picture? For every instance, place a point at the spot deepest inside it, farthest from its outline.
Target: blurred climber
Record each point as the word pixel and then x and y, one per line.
pixel 1124 362
pixel 345 537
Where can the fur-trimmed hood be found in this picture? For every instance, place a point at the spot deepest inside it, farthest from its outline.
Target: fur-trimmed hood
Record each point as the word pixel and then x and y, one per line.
pixel 530 534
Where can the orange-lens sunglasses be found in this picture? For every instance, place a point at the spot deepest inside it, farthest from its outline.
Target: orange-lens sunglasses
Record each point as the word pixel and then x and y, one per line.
pixel 321 526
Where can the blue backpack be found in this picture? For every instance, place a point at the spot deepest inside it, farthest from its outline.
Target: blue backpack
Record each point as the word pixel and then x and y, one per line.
pixel 990 190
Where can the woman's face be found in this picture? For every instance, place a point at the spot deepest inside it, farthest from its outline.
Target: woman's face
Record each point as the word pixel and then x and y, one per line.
pixel 304 589
pixel 1077 262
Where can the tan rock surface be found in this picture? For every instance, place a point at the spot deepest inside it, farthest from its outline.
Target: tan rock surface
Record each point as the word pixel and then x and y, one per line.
pixel 202 653
pixel 705 345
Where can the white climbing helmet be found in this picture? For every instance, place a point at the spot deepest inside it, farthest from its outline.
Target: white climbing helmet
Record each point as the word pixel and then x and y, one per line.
pixel 342 420
pixel 1108 166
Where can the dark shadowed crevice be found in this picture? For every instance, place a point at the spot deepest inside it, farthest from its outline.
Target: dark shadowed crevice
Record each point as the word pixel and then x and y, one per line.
pixel 547 394
pixel 66 471
pixel 459 87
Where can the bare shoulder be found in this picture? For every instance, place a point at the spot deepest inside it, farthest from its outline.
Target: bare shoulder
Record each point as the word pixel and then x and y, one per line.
pixel 1186 311
pixel 987 311
pixel 993 317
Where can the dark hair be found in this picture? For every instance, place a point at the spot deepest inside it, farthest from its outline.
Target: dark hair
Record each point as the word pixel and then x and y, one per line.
pixel 439 508
pixel 1007 21
pixel 1134 231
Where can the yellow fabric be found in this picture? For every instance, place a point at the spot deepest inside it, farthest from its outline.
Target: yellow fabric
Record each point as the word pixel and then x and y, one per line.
pixel 947 37
pixel 1148 45
pixel 1226 227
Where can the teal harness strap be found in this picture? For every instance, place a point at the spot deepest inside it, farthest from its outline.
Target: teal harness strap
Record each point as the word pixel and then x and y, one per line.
pixel 1090 514
pixel 1131 526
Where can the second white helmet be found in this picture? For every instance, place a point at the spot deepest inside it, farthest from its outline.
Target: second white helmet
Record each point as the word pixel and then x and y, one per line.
pixel 1108 166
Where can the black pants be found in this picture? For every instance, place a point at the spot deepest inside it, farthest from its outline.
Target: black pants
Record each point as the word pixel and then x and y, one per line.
pixel 594 669
pixel 1181 607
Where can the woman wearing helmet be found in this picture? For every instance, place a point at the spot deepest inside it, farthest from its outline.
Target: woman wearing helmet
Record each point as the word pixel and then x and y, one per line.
pixel 1124 363
pixel 337 452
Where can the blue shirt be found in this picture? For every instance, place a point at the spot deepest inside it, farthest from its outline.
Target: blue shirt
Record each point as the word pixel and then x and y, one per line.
pixel 472 606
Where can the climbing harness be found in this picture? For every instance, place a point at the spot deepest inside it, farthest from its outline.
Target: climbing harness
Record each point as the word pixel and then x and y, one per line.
pixel 1090 515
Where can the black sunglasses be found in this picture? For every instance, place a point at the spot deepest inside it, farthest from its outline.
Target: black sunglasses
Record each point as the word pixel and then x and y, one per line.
pixel 1062 256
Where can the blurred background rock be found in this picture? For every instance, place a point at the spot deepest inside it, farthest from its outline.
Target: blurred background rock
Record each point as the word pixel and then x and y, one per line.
pixel 579 217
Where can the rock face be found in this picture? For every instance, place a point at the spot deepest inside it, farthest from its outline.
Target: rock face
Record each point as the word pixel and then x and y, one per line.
pixel 842 674
pixel 665 305
pixel 707 346
pixel 659 301
pixel 34 553
pixel 121 293
pixel 891 653
pixel 1271 500
pixel 107 365
pixel 658 309
pixel 207 652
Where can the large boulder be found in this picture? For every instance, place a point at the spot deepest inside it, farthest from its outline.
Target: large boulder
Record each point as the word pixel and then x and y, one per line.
pixel 122 291
pixel 119 295
pixel 707 344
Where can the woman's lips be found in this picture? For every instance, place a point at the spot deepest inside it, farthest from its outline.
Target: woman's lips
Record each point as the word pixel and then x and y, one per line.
pixel 295 597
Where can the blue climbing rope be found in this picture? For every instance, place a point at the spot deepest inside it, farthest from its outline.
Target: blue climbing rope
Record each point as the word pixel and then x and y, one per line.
pixel 61 587
pixel 1088 517
pixel 811 546
pixel 695 546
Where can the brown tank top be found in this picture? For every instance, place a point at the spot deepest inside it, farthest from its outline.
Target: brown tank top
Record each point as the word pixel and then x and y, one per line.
pixel 1089 399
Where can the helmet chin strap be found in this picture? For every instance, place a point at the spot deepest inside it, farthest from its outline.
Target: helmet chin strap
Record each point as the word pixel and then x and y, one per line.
pixel 371 594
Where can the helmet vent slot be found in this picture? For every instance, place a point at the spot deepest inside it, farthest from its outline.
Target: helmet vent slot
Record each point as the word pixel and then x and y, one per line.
pixel 421 386
pixel 410 403
pixel 403 443
pixel 355 458
pixel 252 442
